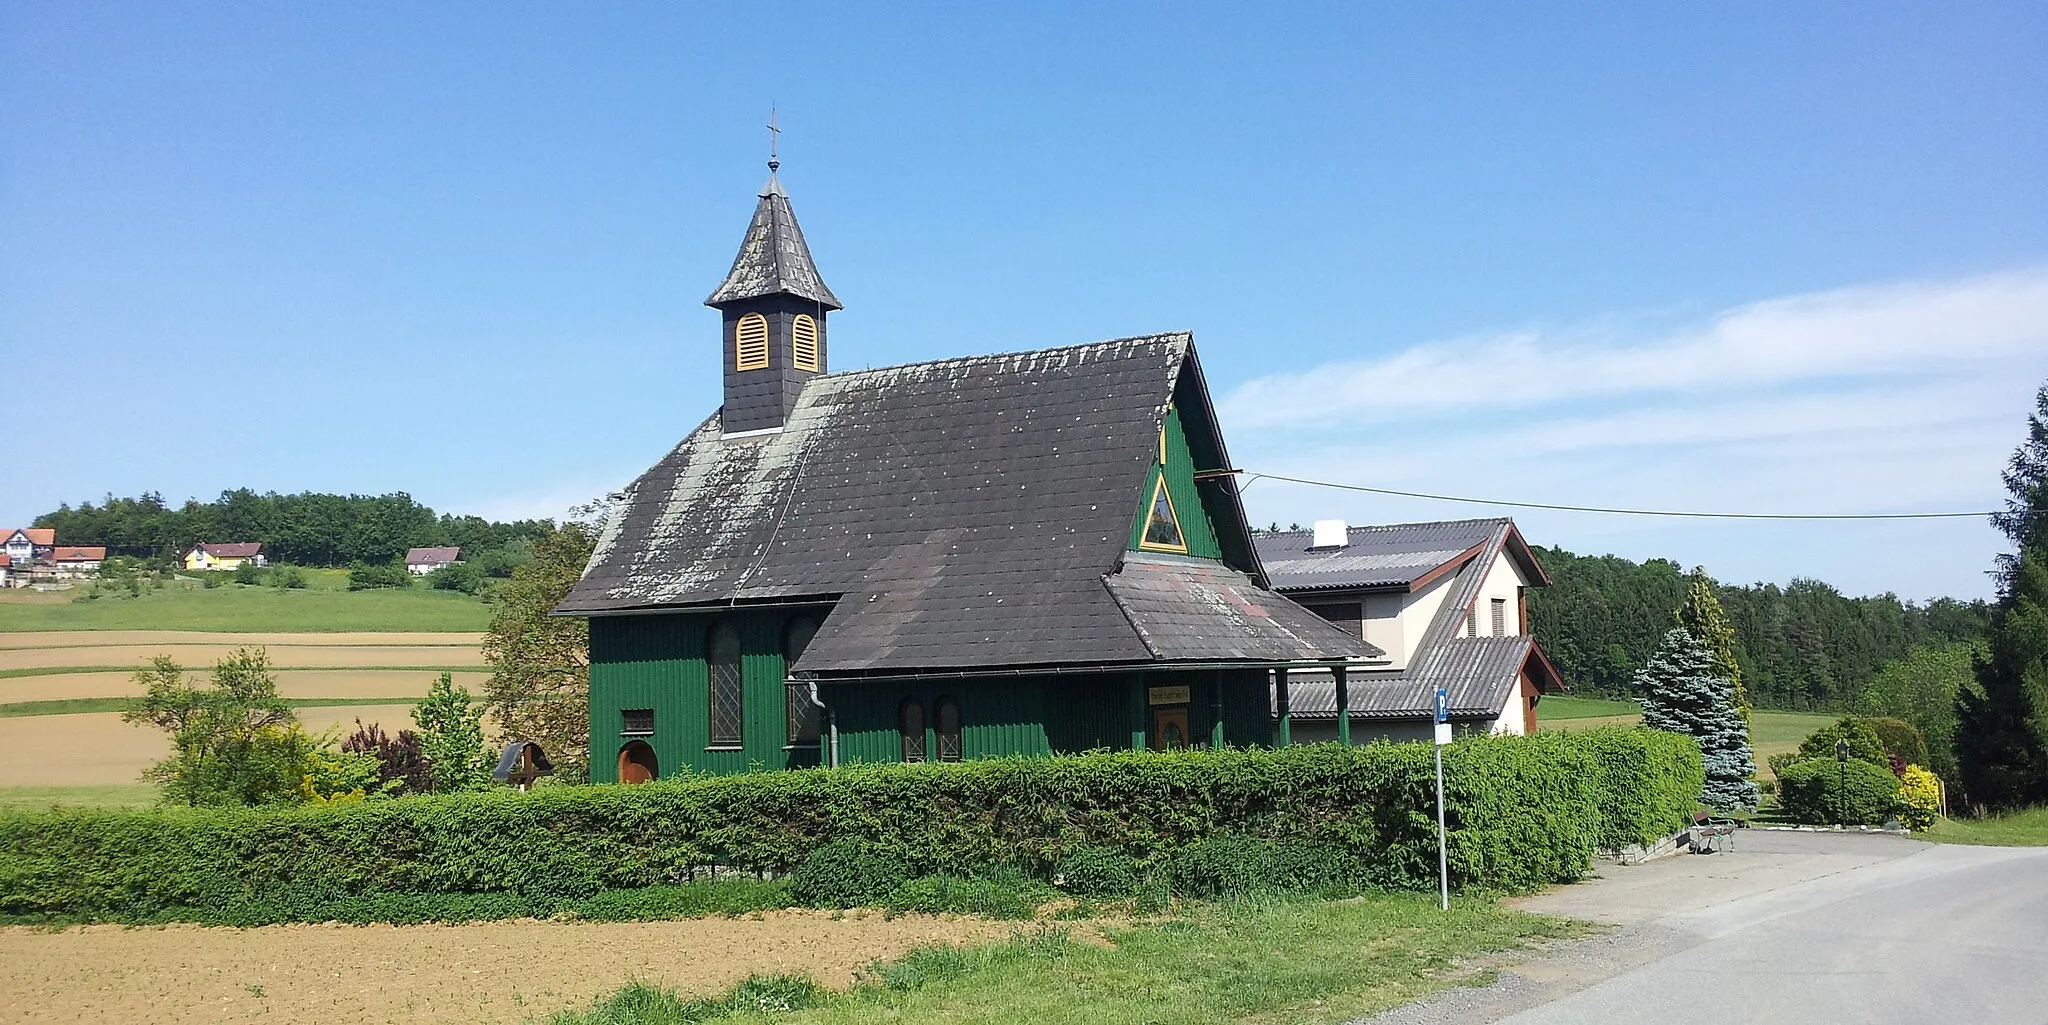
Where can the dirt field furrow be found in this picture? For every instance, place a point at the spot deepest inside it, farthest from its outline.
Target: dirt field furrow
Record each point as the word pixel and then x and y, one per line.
pixel 97 748
pixel 497 972
pixel 200 656
pixel 99 638
pixel 291 683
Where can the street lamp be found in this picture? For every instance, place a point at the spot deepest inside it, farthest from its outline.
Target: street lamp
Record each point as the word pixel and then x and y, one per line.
pixel 1841 782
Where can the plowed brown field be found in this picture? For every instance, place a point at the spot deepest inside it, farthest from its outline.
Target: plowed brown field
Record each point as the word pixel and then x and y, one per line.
pixel 410 684
pixel 97 748
pixel 498 972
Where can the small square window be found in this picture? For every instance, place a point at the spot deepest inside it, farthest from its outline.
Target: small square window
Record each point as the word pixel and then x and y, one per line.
pixel 636 722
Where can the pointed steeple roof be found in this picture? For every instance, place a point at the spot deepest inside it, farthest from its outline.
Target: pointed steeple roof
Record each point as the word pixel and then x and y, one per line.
pixel 773 258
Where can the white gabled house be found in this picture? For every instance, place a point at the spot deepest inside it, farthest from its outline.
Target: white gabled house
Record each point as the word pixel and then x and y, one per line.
pixel 27 546
pixel 422 561
pixel 1447 601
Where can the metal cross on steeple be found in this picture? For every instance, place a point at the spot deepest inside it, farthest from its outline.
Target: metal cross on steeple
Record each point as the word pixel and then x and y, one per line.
pixel 774 136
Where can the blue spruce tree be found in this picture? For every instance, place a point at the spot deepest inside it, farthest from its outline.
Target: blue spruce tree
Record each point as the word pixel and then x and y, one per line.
pixel 1682 694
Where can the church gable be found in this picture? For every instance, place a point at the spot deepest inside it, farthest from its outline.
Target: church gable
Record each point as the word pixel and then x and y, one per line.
pixel 1172 515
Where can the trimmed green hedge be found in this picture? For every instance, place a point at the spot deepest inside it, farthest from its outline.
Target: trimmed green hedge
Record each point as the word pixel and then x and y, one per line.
pixel 1523 811
pixel 1646 783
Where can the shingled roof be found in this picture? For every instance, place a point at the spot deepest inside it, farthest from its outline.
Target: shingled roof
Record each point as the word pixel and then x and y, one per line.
pixel 962 513
pixel 773 258
pixel 1477 672
pixel 1401 556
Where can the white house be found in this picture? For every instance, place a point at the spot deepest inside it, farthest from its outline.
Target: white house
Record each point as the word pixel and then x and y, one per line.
pixel 422 561
pixel 1448 601
pixel 77 560
pixel 27 546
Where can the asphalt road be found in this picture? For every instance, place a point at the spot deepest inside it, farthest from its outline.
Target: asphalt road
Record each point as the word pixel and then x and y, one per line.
pixel 1792 928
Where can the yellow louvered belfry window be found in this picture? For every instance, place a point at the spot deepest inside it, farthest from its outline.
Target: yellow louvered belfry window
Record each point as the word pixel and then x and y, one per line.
pixel 803 336
pixel 750 343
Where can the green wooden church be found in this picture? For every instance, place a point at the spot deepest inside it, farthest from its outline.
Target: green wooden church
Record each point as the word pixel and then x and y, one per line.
pixel 1030 553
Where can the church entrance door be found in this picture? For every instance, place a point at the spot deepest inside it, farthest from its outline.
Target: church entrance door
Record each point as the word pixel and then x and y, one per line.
pixel 637 763
pixel 1169 728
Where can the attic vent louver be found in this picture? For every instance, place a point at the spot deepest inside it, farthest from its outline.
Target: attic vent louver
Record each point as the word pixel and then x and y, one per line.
pixel 1331 534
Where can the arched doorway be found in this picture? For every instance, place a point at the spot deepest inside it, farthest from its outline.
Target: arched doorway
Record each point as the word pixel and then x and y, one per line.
pixel 637 763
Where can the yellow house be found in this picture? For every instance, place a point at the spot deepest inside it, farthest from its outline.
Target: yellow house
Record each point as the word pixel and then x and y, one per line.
pixel 228 556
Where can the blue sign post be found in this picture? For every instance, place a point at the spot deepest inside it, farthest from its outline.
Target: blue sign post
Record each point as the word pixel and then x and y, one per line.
pixel 1443 844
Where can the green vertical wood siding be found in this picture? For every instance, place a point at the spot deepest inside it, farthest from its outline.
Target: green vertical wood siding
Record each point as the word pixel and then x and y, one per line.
pixel 1196 527
pixel 658 662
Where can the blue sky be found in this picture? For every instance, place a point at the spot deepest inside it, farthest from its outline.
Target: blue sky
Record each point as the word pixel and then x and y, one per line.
pixel 1733 257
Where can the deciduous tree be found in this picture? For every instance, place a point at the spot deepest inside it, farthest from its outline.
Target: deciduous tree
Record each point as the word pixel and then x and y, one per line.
pixel 451 738
pixel 540 664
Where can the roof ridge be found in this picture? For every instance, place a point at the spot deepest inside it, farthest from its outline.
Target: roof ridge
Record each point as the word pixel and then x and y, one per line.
pixel 1185 336
pixel 1348 527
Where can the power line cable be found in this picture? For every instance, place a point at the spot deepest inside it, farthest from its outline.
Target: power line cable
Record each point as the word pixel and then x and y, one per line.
pixel 1618 512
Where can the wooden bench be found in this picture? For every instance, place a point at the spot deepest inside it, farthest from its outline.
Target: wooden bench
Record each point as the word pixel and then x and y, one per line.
pixel 1710 835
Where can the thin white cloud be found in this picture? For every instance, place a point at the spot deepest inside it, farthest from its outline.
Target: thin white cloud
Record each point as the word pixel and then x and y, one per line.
pixel 1893 398
pixel 1934 329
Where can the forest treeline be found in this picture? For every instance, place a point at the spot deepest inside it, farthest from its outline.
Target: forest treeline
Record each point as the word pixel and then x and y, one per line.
pixel 306 529
pixel 1802 646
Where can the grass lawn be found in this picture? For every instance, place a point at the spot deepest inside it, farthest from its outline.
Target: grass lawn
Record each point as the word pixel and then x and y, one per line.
pixel 1275 962
pixel 117 795
pixel 1557 706
pixel 242 608
pixel 1769 732
pixel 2028 828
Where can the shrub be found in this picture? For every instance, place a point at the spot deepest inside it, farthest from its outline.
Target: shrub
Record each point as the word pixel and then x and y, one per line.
pixel 1222 866
pixel 1523 812
pixel 364 576
pixel 287 578
pixel 1899 738
pixel 1096 871
pixel 1864 746
pixel 247 572
pixel 399 758
pixel 1822 790
pixel 458 576
pixel 1919 798
pixel 847 874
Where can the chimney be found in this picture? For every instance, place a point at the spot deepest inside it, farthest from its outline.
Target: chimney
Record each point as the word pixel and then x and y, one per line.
pixel 1331 534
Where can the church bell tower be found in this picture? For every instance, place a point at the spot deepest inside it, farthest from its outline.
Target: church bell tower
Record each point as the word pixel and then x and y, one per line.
pixel 774 305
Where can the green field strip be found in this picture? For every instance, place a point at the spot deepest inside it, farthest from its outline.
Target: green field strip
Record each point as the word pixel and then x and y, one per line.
pixel 6 674
pixel 78 706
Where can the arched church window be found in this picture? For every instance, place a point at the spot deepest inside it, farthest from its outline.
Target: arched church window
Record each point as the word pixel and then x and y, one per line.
pixel 722 658
pixel 803 337
pixel 910 729
pixel 946 725
pixel 750 343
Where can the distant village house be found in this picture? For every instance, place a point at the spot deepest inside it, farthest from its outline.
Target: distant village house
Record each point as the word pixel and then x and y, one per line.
pixel 422 561
pixel 77 560
pixel 225 556
pixel 28 545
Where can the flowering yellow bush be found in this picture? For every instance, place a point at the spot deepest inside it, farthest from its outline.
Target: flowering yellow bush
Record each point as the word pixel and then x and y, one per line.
pixel 1919 798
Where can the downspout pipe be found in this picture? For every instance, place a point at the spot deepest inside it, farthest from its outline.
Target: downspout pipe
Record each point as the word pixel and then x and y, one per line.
pixel 831 724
